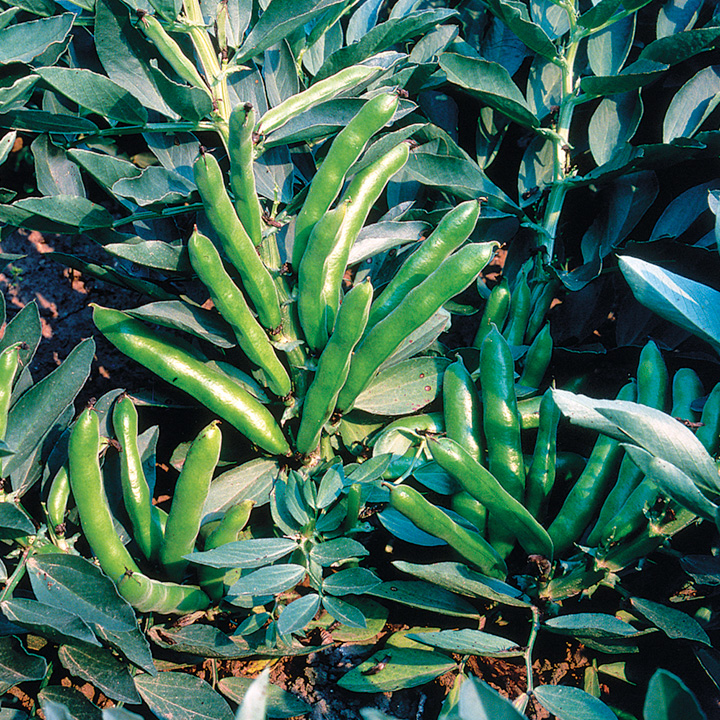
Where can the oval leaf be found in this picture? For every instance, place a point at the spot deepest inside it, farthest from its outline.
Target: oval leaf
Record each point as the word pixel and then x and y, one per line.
pixel 569 703
pixel 179 696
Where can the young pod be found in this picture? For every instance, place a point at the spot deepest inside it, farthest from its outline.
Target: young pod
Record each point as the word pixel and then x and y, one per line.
pixel 182 368
pixel 235 242
pixel 419 305
pixel 231 304
pixel 344 151
pixel 191 490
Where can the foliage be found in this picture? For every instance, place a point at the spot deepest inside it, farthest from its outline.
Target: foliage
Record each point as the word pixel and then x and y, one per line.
pixel 119 97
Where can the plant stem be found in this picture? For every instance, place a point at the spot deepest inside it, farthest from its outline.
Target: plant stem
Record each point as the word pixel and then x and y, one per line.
pixel 17 574
pixel 531 644
pixel 151 215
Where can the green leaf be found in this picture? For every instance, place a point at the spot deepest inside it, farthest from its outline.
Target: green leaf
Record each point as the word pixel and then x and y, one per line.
pixel 677 15
pixel 132 645
pixel 395 668
pixel 354 581
pixel 249 481
pixel 404 388
pixel 7 141
pixel 692 104
pixel 469 642
pixel 72 701
pixel 245 553
pixel 515 15
pixel 17 665
pixel 57 625
pixel 608 49
pixel 634 76
pixel 591 625
pixel 55 173
pixel 344 612
pixel 381 236
pixel 668 698
pixel 179 695
pixel 254 704
pixel 613 123
pixel 72 212
pixel 199 640
pixel 15 91
pixel 491 83
pixel 95 93
pixel 280 704
pixel 330 488
pixel 683 211
pixel 23 42
pixel 459 176
pixel 268 580
pixel 41 121
pixel 332 551
pixel 298 614
pixel 599 14
pixel 24 328
pixel 40 408
pixel 570 703
pixel 459 578
pixel 72 583
pixel 126 56
pixel 672 481
pixel 681 301
pixel 280 19
pixel 674 623
pixel 375 618
pixel 681 46
pixel 105 169
pixel 101 668
pixel 382 37
pixel 155 185
pixel 424 596
pixel 179 315
pixel 480 702
pixel 14 522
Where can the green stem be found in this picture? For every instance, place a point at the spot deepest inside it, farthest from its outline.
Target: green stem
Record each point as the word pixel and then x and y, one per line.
pixel 17 574
pixel 530 646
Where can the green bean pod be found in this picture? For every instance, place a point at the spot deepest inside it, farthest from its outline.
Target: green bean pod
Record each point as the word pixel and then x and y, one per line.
pixel 88 490
pixel 632 516
pixel 344 151
pixel 686 387
pixel 419 305
pixel 584 500
pixel 652 390
pixel 230 303
pixel 501 420
pixel 191 490
pixel 9 364
pixel 431 519
pixel 235 241
pixel 183 369
pixel 354 505
pixel 452 231
pixel 652 377
pixel 364 190
pixel 709 432
pixel 466 506
pixel 495 313
pixel 537 359
pixel 541 473
pixel 171 51
pixel 462 409
pixel 57 500
pixel 333 366
pixel 520 306
pixel 326 89
pixel 232 523
pixel 149 595
pixel 485 487
pixel 136 492
pixel 312 311
pixel 542 296
pixel 242 175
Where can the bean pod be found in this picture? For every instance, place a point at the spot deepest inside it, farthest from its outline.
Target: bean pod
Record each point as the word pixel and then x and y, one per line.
pixel 182 368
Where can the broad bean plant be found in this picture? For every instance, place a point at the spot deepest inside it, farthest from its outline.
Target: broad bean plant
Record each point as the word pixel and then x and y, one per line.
pixel 293 189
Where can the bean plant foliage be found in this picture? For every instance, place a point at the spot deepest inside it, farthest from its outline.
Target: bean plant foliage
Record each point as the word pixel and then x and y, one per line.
pixel 312 197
